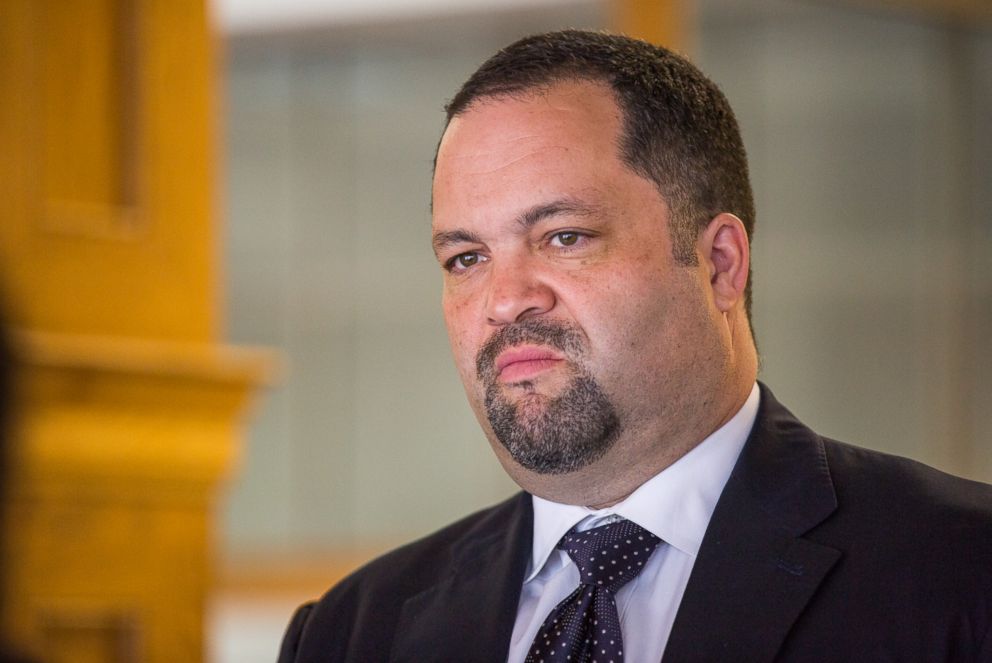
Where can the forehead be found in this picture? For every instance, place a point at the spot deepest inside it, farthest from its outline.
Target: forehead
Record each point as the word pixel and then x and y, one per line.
pixel 528 139
pixel 568 117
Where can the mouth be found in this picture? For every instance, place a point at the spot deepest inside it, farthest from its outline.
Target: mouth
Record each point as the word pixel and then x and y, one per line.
pixel 524 363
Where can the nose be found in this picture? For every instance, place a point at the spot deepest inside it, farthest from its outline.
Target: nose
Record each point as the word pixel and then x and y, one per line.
pixel 516 293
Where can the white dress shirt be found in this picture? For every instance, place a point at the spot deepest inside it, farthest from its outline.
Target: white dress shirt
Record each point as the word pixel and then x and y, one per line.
pixel 675 505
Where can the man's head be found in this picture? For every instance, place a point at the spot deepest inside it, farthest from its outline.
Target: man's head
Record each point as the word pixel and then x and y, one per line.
pixel 678 128
pixel 586 213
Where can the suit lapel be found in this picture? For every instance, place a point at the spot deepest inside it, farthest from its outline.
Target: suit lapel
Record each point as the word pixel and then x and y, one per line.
pixel 469 615
pixel 755 574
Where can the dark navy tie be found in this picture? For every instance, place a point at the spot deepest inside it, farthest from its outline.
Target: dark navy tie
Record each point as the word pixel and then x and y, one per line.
pixel 585 626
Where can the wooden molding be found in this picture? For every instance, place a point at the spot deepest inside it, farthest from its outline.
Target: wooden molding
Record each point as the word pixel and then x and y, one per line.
pixel 120 447
pixel 111 409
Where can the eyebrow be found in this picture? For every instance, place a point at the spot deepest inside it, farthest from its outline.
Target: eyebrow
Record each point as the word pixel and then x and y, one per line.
pixel 446 238
pixel 528 219
pixel 538 213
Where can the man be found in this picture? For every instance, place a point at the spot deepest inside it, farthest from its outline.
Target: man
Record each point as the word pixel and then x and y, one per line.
pixel 592 216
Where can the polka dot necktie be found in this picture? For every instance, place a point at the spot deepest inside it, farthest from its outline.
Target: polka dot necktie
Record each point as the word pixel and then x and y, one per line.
pixel 585 626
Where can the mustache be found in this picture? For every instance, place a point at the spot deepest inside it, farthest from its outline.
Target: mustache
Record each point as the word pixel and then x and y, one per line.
pixel 559 335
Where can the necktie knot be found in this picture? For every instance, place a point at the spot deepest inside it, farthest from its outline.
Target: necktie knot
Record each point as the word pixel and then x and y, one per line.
pixel 585 626
pixel 609 556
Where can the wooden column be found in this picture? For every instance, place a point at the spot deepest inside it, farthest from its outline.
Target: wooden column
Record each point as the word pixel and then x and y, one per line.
pixel 667 23
pixel 129 410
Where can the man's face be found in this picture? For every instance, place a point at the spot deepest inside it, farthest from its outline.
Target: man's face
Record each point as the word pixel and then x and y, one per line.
pixel 578 338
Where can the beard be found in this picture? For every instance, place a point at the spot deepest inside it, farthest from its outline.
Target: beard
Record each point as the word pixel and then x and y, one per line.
pixel 548 435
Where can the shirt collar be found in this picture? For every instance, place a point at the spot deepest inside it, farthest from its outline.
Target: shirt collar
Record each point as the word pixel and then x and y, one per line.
pixel 675 505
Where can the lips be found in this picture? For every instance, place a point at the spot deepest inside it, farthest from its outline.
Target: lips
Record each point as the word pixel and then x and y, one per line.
pixel 516 364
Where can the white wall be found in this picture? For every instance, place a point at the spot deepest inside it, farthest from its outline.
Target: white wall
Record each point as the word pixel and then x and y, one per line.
pixel 870 153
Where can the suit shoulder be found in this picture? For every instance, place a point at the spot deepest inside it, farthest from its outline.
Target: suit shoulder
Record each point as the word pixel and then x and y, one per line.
pixel 890 481
pixel 915 516
pixel 356 619
pixel 423 561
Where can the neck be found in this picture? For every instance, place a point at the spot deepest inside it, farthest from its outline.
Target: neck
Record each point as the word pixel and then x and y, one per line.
pixel 628 465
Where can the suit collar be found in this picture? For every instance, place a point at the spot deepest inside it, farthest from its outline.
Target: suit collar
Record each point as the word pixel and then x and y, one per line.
pixel 469 615
pixel 755 573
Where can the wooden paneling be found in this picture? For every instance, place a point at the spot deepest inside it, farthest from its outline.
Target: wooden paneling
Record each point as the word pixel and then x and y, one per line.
pixel 87 57
pixel 129 413
pixel 107 168
pixel 667 23
pixel 121 446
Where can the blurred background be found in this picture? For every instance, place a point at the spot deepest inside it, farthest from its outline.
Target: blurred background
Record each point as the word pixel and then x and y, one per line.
pixel 233 381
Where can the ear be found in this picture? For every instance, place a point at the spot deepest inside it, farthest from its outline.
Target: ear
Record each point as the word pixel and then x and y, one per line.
pixel 725 250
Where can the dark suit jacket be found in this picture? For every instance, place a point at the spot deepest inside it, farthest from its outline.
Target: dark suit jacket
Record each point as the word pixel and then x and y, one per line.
pixel 817 551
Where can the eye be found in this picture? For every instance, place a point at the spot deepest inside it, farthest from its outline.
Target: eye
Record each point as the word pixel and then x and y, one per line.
pixel 566 238
pixel 463 262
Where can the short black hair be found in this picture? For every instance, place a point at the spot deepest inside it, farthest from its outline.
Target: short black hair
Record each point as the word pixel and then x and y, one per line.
pixel 678 128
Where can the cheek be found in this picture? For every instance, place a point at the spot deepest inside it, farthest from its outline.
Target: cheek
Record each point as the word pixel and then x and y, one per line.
pixel 457 318
pixel 628 314
pixel 624 294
